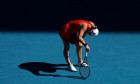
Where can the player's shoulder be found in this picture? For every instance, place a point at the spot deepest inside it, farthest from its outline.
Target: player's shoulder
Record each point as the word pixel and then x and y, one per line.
pixel 82 24
pixel 79 22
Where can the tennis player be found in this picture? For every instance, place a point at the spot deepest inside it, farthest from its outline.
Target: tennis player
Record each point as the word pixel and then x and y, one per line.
pixel 73 33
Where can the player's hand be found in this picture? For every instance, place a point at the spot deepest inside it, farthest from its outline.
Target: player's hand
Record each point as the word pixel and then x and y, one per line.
pixel 87 48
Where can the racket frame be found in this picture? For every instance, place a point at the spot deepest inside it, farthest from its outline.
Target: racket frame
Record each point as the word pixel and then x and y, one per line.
pixel 85 61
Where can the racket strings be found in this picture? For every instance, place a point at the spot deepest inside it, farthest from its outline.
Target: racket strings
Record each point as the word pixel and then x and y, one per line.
pixel 84 71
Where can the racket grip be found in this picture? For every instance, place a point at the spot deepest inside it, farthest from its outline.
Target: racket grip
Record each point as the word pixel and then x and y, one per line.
pixel 86 53
pixel 86 50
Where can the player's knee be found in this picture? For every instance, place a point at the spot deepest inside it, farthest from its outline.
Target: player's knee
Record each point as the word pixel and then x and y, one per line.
pixel 79 46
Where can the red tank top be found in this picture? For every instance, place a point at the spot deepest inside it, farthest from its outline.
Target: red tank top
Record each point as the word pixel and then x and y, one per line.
pixel 71 27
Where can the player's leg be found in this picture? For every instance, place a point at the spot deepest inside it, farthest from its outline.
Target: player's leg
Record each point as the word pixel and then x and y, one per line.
pixel 79 51
pixel 66 51
pixel 79 54
pixel 66 55
pixel 74 40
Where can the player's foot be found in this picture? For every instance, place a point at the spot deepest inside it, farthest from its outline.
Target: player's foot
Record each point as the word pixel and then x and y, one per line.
pixel 82 64
pixel 72 68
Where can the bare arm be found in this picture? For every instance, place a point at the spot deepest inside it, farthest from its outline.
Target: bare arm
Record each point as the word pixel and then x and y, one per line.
pixel 82 31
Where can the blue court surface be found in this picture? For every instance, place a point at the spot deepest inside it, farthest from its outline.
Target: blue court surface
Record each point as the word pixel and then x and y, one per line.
pixel 37 58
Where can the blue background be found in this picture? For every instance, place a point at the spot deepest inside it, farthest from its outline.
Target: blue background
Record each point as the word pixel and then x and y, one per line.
pixel 26 57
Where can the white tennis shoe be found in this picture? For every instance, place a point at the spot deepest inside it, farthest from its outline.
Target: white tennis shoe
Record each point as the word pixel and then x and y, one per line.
pixel 82 64
pixel 72 68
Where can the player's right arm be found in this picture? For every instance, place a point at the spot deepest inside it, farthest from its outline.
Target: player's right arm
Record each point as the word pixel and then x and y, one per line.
pixel 81 33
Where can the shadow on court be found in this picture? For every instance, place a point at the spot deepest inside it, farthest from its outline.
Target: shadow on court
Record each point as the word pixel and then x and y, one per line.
pixel 35 67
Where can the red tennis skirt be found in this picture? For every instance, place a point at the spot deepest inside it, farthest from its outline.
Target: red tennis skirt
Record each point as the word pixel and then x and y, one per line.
pixel 73 38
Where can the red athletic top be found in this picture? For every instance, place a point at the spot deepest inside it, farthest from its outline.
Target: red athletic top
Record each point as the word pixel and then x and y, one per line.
pixel 71 27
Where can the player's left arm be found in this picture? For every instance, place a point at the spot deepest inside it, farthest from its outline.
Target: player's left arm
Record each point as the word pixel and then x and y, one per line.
pixel 80 37
pixel 81 33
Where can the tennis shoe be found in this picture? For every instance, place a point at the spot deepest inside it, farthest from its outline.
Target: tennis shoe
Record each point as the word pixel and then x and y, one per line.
pixel 82 64
pixel 72 68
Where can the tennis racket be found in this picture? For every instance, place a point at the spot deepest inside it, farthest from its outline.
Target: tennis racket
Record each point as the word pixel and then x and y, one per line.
pixel 85 70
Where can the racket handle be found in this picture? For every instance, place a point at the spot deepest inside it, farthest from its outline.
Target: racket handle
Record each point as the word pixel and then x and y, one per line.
pixel 86 53
pixel 86 50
